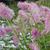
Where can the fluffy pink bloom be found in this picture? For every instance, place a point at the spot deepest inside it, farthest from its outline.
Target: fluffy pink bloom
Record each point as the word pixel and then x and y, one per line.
pixel 27 6
pixel 34 46
pixel 47 23
pixel 6 12
pixel 15 40
pixel 36 17
pixel 33 9
pixel 35 32
pixel 4 31
pixel 23 5
pixel 45 11
pixel 8 29
pixel 23 14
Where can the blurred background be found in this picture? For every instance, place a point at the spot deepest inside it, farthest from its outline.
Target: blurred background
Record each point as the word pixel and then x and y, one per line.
pixel 9 2
pixel 13 5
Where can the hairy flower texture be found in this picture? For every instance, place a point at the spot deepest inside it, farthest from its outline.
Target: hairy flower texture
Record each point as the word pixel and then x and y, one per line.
pixel 34 46
pixel 6 12
pixel 23 5
pixel 47 23
pixel 45 11
pixel 4 31
pixel 8 29
pixel 35 32
pixel 15 40
pixel 37 14
pixel 35 11
pixel 32 8
pixel 23 15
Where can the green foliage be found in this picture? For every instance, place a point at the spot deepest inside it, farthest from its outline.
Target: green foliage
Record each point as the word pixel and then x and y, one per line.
pixel 44 42
pixel 44 2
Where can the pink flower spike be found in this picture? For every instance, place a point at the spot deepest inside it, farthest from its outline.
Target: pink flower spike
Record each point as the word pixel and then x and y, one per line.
pixel 15 40
pixel 2 32
pixel 47 23
pixel 34 46
pixel 6 12
pixel 35 32
pixel 23 5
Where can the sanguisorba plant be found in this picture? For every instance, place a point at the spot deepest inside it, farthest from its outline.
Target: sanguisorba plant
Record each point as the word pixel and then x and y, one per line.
pixel 29 29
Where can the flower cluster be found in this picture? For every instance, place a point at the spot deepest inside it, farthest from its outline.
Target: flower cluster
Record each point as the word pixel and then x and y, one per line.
pixel 6 12
pixel 35 14
pixel 5 30
pixel 24 28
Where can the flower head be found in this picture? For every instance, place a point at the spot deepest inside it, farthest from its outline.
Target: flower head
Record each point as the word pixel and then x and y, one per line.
pixel 35 32
pixel 47 23
pixel 15 40
pixel 45 11
pixel 23 5
pixel 6 12
pixel 34 46
pixel 4 31
pixel 23 15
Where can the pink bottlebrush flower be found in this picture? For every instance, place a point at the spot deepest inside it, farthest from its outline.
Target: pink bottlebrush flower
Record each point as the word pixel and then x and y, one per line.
pixel 6 12
pixel 34 46
pixel 15 40
pixel 44 10
pixel 36 17
pixel 33 7
pixel 4 31
pixel 8 29
pixel 23 5
pixel 23 15
pixel 35 32
pixel 35 11
pixel 47 23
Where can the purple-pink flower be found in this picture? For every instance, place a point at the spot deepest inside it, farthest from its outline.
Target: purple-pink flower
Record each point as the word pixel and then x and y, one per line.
pixel 8 29
pixel 6 12
pixel 15 40
pixel 23 15
pixel 30 8
pixel 35 33
pixel 23 5
pixel 4 31
pixel 47 23
pixel 44 10
pixel 34 46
